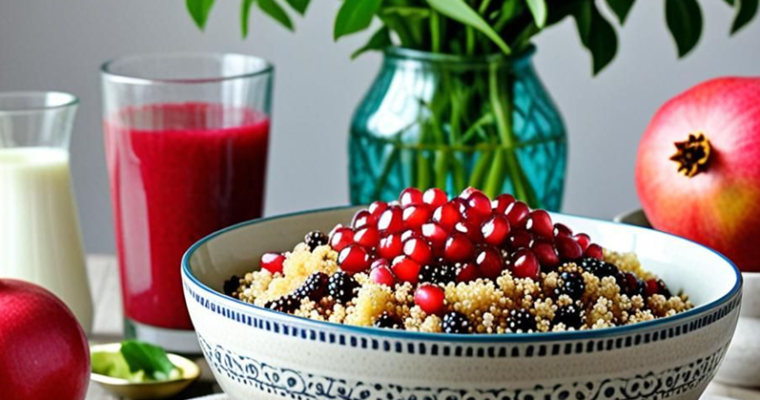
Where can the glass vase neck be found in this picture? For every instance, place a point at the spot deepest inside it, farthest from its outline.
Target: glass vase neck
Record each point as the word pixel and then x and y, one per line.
pixel 36 119
pixel 426 59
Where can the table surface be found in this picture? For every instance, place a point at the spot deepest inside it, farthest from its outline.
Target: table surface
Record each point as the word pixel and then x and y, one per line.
pixel 108 326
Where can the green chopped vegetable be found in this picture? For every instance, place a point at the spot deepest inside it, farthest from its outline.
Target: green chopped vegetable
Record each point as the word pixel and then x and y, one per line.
pixel 136 362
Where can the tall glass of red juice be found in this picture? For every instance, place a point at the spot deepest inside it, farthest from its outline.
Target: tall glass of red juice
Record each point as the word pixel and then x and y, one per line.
pixel 186 139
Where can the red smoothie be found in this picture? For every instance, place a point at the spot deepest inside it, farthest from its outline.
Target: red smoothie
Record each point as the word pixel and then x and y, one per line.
pixel 178 173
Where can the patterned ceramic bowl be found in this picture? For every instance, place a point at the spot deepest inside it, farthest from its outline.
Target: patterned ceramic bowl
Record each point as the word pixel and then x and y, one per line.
pixel 257 353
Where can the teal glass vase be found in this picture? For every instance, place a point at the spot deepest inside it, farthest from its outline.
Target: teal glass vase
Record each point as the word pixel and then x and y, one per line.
pixel 448 121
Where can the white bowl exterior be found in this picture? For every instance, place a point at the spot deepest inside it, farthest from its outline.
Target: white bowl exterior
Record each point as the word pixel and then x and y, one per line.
pixel 255 352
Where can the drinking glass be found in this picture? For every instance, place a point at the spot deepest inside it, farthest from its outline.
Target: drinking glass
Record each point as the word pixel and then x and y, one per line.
pixel 40 237
pixel 186 139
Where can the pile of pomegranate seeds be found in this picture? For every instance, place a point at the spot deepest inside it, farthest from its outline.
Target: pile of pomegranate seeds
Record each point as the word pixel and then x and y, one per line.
pixel 472 235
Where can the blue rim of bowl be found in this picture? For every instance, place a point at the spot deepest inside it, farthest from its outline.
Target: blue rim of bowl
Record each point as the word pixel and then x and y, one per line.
pixel 450 337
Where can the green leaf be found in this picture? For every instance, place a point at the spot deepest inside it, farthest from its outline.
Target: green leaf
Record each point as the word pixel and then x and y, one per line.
pixel 621 8
pixel 730 2
pixel 407 12
pixel 684 19
pixel 244 15
pixel 747 11
pixel 199 10
pixel 597 34
pixel 379 40
pixel 147 357
pixel 299 5
pixel 274 10
pixel 355 16
pixel 538 9
pixel 458 10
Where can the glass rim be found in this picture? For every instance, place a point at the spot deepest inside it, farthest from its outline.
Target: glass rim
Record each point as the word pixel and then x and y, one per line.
pixel 67 100
pixel 136 79
pixel 398 52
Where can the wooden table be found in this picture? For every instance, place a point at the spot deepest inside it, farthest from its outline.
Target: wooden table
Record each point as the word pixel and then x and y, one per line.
pixel 108 325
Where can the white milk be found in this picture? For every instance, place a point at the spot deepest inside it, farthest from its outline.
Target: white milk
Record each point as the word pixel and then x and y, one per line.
pixel 40 238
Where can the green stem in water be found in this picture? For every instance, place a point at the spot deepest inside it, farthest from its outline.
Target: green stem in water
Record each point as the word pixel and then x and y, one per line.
pixel 435 32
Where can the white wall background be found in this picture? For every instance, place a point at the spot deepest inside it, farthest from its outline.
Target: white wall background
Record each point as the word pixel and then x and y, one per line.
pixel 59 45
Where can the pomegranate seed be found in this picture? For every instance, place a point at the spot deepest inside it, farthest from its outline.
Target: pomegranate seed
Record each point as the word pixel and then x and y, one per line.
pixel 391 221
pixel 430 298
pixel 353 259
pixel 562 228
pixel 495 230
pixel 416 215
pixel 418 250
pixel 447 215
pixel 583 239
pixel 471 229
pixel 501 202
pixel 458 248
pixel 434 234
pixel 546 254
pixel 651 287
pixel 363 218
pixel 479 206
pixel 377 208
pixel 341 237
pixel 568 248
pixel 594 251
pixel 383 276
pixel 520 240
pixel 368 237
pixel 469 192
pixel 272 262
pixel 410 196
pixel 517 213
pixel 525 265
pixel 540 223
pixel 380 262
pixel 390 246
pixel 467 272
pixel 489 262
pixel 434 197
pixel 406 269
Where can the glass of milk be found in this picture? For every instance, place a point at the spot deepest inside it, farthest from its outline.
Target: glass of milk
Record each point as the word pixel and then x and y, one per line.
pixel 40 239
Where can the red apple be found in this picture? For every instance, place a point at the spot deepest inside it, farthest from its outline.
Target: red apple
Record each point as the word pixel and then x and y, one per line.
pixel 43 349
pixel 698 168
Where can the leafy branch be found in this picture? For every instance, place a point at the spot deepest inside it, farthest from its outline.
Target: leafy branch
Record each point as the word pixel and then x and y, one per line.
pixel 478 27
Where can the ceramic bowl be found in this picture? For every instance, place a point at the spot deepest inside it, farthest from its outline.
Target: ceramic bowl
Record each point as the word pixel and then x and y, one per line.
pixel 740 367
pixel 259 353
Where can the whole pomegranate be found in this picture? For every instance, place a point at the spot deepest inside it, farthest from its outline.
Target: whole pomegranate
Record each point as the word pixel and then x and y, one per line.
pixel 698 168
pixel 43 350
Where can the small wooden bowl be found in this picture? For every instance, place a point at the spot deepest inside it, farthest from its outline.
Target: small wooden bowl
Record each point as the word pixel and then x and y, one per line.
pixel 146 390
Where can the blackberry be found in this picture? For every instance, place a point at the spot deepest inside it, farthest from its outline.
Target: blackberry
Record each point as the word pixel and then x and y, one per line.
pixel 572 284
pixel 455 322
pixel 438 273
pixel 342 287
pixel 570 315
pixel 314 287
pixel 387 321
pixel 287 304
pixel 231 285
pixel 314 239
pixel 630 284
pixel 521 320
pixel 598 268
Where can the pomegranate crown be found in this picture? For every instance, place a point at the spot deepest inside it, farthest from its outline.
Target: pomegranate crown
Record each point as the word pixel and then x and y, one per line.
pixel 692 155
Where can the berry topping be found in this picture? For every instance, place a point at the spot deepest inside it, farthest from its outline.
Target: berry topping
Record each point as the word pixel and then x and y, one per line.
pixel 447 215
pixel 406 269
pixel 594 251
pixel 546 254
pixel 467 272
pixel 630 284
pixel 479 206
pixel 383 276
pixel 525 265
pixel 521 321
pixel 495 230
pixel 568 248
pixel 341 237
pixel 390 246
pixel 353 259
pixel 272 262
pixel 571 284
pixel 518 213
pixel 570 315
pixel 455 322
pixel 231 285
pixel 598 268
pixel 315 239
pixel 286 304
pixel 520 240
pixel 380 262
pixel 377 208
pixel 458 248
pixel 438 273
pixel 418 250
pixel 387 321
pixel 410 196
pixel 416 215
pixel 489 262
pixel 430 298
pixel 314 287
pixel 562 228
pixel 368 237
pixel 363 218
pixel 501 202
pixel 471 229
pixel 434 197
pixel 434 234
pixel 342 287
pixel 540 223
pixel 391 220
pixel 583 239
